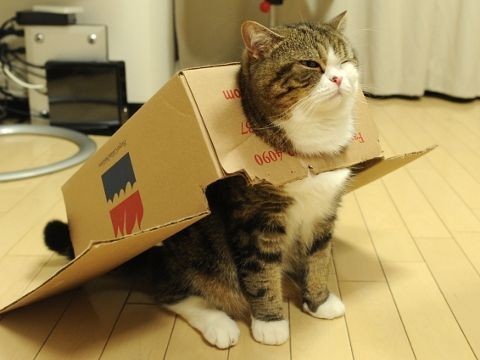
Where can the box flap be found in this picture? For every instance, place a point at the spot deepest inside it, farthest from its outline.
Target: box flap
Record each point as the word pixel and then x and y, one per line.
pixel 216 94
pixel 100 257
pixel 377 168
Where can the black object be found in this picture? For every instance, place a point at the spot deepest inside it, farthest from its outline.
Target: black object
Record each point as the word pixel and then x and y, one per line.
pixel 275 2
pixel 118 176
pixel 86 95
pixel 30 17
pixel 57 238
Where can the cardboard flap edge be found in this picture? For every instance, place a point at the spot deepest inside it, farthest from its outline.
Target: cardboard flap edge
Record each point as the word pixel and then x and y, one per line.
pixel 29 296
pixel 208 66
pixel 379 167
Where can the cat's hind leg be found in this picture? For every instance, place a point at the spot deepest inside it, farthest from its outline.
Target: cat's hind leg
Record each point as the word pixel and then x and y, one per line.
pixel 215 325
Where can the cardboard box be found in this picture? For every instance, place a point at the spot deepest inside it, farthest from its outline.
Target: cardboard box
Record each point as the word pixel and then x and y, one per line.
pixel 148 181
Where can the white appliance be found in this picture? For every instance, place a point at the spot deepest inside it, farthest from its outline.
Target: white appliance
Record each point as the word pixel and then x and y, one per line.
pixel 140 33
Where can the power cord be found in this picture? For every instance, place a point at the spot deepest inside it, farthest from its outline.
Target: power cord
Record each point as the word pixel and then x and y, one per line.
pixel 9 55
pixel 14 53
pixel 15 68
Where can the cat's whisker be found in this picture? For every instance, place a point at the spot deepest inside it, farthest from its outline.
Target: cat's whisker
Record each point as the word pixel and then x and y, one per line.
pixel 265 127
pixel 367 29
pixel 289 109
pixel 301 16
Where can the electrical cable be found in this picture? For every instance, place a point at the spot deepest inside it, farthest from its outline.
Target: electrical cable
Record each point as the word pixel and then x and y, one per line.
pixel 9 94
pixel 8 56
pixel 3 27
pixel 25 62
pixel 21 50
pixel 17 111
pixel 22 83
pixel 25 71
pixel 6 68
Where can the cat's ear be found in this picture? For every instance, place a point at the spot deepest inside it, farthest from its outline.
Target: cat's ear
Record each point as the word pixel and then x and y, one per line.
pixel 339 22
pixel 258 39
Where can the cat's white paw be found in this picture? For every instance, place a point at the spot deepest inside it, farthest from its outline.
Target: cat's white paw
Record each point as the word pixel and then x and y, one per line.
pixel 333 307
pixel 221 331
pixel 270 332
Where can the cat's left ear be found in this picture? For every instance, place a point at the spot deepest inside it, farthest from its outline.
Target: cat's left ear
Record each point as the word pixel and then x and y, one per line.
pixel 258 39
pixel 339 22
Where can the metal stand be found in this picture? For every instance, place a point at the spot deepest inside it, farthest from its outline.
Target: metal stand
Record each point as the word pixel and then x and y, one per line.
pixel 86 148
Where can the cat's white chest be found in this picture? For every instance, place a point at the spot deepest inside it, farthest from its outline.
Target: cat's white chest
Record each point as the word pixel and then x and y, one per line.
pixel 315 198
pixel 318 132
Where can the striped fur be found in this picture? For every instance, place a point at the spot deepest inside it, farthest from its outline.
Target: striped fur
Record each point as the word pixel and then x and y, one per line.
pixel 275 82
pixel 233 261
pixel 236 258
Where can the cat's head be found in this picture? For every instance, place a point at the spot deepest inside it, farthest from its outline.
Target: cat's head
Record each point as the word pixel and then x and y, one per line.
pixel 298 85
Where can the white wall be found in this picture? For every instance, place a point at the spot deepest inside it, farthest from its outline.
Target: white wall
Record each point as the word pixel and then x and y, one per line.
pixel 209 31
pixel 404 46
pixel 140 33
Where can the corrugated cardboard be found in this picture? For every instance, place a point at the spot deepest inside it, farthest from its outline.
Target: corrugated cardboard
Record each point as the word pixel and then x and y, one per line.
pixel 148 181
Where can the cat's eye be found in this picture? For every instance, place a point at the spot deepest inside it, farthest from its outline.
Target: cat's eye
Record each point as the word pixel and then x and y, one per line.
pixel 310 64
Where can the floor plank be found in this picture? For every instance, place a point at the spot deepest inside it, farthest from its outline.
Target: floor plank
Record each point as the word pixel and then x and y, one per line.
pixel 448 127
pixel 187 343
pixel 353 251
pixel 470 243
pixel 32 242
pixel 444 199
pixel 36 151
pixel 387 229
pixel 51 266
pixel 464 114
pixel 477 213
pixel 23 331
pixel 38 203
pixel 85 327
pixel 454 173
pixel 248 348
pixel 313 338
pixel 417 213
pixel 432 329
pixel 22 151
pixel 457 148
pixel 142 332
pixel 459 282
pixel 19 273
pixel 434 187
pixel 376 330
pixel 38 197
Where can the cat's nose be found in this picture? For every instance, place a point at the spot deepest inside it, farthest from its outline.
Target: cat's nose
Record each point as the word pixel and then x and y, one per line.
pixel 337 80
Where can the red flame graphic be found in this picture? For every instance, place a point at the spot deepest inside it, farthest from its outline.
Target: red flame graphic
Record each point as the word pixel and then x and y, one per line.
pixel 126 214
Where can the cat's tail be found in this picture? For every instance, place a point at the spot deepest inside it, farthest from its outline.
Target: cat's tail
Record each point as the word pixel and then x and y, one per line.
pixel 57 238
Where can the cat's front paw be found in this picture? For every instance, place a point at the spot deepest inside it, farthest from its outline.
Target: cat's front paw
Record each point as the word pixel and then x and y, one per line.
pixel 270 332
pixel 221 331
pixel 333 307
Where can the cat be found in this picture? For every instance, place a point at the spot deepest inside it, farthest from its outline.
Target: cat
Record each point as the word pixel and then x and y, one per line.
pixel 298 85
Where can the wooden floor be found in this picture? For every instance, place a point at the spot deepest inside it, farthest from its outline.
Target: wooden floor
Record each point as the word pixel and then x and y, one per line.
pixel 406 261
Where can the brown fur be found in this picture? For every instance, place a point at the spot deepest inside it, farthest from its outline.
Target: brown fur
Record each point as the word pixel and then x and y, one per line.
pixel 272 85
pixel 236 257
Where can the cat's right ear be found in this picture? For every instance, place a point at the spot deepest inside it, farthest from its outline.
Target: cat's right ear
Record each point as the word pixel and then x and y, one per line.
pixel 258 39
pixel 339 22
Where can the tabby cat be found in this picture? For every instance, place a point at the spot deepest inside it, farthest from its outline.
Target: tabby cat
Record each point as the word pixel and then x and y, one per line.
pixel 298 85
